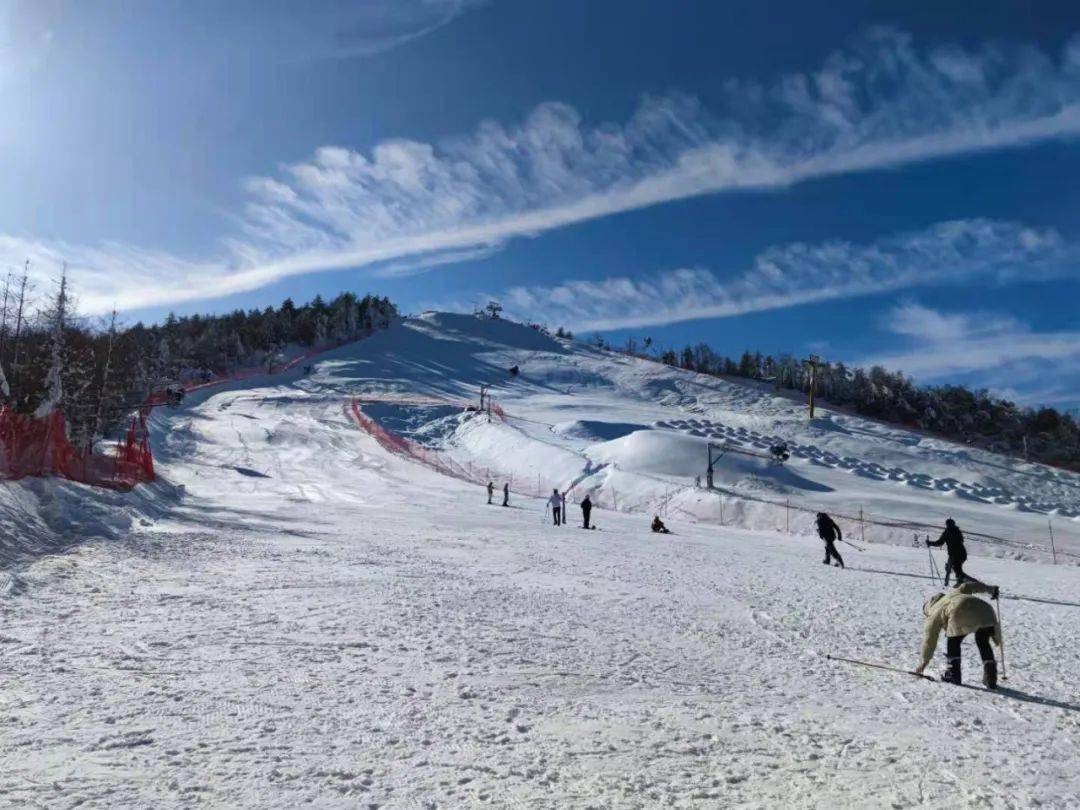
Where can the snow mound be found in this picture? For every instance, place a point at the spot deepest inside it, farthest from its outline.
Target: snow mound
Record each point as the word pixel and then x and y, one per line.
pixel 595 431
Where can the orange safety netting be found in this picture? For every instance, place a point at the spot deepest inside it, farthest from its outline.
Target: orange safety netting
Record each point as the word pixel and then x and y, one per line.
pixel 441 462
pixel 32 446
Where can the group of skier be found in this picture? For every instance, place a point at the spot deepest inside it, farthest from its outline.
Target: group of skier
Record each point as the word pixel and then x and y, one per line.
pixel 958 613
pixel 506 493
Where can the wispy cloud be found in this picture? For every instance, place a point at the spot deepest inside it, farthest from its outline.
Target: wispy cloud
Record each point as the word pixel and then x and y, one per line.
pixel 883 102
pixel 347 30
pixel 795 274
pixel 1003 353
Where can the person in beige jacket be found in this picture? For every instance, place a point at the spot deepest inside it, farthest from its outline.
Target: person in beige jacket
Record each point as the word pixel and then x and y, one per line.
pixel 960 613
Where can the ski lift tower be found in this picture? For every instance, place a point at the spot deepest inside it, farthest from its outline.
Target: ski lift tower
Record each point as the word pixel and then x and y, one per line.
pixel 813 361
pixel 719 450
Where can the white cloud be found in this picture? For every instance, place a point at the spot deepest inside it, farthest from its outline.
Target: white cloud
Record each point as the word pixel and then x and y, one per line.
pixel 1002 352
pixel 915 320
pixel 881 103
pixel 348 30
pixel 790 275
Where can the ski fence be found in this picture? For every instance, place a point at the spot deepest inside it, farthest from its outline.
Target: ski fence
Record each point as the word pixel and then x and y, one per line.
pixel 32 446
pixel 781 515
pixel 39 446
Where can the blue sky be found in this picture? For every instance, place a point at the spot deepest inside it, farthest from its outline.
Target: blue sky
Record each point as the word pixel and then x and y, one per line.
pixel 878 184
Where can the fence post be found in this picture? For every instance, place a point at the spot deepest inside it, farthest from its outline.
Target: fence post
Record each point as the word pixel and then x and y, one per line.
pixel 721 510
pixel 1053 550
pixel 614 500
pixel 862 526
pixel 787 516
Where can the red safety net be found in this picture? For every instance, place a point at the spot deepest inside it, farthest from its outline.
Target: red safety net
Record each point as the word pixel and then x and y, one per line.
pixel 441 462
pixel 32 446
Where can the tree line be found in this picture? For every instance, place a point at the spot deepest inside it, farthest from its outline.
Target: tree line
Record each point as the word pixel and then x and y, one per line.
pixel 98 372
pixel 952 412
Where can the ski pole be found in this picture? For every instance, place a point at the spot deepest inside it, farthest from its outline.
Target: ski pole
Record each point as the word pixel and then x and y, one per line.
pixel 859 548
pixel 933 566
pixel 1001 630
pixel 878 666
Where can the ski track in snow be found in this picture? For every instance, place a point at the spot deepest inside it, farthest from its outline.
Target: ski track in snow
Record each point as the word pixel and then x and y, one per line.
pixel 320 623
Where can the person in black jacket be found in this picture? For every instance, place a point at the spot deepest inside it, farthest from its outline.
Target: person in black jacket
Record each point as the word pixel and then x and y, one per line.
pixel 829 532
pixel 953 540
pixel 586 510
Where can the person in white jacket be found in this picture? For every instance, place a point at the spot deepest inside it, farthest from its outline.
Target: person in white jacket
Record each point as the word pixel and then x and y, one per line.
pixel 555 501
pixel 960 613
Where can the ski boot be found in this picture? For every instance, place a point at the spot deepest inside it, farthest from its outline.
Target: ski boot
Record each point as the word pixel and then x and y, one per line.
pixel 990 674
pixel 952 672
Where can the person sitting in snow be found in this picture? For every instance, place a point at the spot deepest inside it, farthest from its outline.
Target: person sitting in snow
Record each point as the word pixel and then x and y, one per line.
pixel 555 502
pixel 658 526
pixel 953 540
pixel 829 532
pixel 960 613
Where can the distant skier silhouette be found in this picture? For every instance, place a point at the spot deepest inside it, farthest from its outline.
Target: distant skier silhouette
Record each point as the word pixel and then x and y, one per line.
pixel 491 491
pixel 829 532
pixel 506 494
pixel 953 540
pixel 586 510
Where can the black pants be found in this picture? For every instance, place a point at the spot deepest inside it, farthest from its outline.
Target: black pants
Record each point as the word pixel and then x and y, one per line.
pixel 585 516
pixel 831 552
pixel 557 513
pixel 955 567
pixel 982 641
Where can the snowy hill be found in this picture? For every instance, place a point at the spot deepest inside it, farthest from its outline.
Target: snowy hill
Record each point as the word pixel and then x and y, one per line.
pixel 298 615
pixel 634 435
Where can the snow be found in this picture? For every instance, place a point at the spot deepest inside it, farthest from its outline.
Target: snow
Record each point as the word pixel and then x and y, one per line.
pixel 296 616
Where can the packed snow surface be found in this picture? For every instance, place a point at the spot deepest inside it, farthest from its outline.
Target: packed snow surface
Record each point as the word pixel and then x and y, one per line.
pixel 296 616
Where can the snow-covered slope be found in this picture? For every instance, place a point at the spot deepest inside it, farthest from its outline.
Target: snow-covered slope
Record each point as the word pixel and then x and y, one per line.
pixel 321 622
pixel 634 435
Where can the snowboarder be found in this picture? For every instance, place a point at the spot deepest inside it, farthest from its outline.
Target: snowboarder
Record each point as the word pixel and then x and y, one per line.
pixel 491 491
pixel 658 526
pixel 506 494
pixel 958 614
pixel 555 501
pixel 829 532
pixel 586 510
pixel 953 540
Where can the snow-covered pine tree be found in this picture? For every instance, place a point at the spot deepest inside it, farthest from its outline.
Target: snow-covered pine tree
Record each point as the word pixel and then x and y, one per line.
pixel 56 318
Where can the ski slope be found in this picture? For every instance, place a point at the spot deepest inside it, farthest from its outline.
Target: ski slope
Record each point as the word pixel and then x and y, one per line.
pixel 296 616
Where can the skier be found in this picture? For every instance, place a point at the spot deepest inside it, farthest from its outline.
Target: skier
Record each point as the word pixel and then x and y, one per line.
pixel 953 540
pixel 586 510
pixel 958 614
pixel 555 502
pixel 506 494
pixel 658 526
pixel 829 532
pixel 491 491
